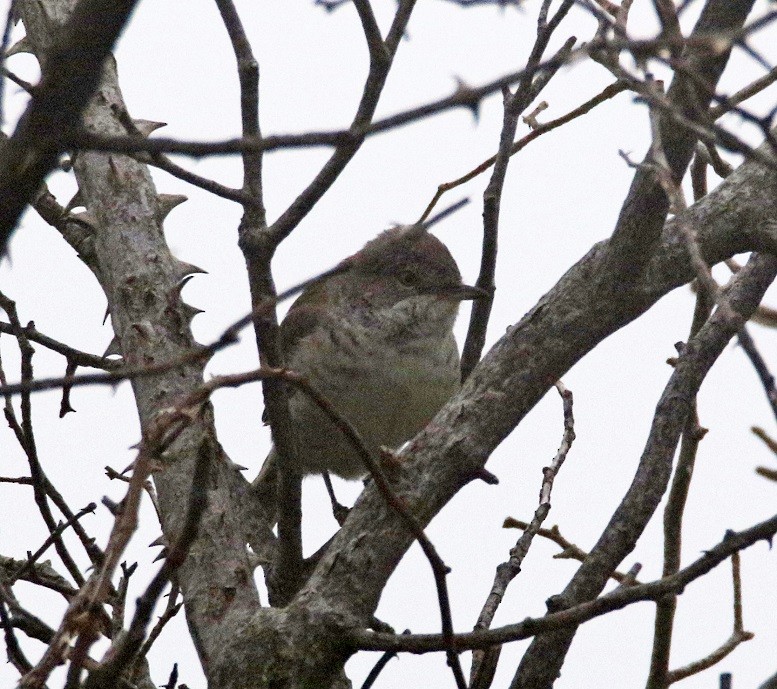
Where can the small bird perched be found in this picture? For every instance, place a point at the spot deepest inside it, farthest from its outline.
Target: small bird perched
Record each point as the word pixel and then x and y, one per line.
pixel 376 339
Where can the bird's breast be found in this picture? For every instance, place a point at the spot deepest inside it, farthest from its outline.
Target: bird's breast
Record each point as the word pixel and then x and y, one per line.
pixel 387 392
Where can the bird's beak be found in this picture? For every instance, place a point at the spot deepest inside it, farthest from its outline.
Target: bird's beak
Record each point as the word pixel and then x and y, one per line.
pixel 464 293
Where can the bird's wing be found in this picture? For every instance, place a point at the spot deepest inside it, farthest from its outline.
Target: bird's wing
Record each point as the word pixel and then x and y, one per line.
pixel 301 320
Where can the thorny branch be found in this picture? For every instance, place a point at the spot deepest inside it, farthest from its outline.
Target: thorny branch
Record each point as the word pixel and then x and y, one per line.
pixel 83 612
pixel 32 558
pixel 608 93
pixel 252 144
pixel 652 475
pixel 42 488
pixel 227 338
pixel 467 97
pixel 69 78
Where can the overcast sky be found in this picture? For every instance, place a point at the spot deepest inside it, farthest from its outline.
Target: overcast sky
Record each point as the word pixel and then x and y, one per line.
pixel 563 193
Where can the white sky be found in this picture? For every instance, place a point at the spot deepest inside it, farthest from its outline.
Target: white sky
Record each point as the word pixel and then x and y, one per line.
pixel 563 193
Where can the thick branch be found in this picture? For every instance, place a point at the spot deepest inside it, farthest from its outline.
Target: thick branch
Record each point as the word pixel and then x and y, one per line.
pixel 567 323
pixel 644 210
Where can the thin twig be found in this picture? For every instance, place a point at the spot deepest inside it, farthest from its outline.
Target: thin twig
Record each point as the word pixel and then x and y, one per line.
pixel 148 486
pixel 42 574
pixel 673 519
pixel 77 356
pixel 22 480
pixel 377 669
pixel 131 643
pixel 514 104
pixel 760 366
pixel 617 600
pixel 84 607
pixel 730 102
pixel 569 550
pixel 507 571
pixel 467 98
pixel 13 649
pixel 40 481
pixel 61 528
pixel 119 601
pixel 258 253
pixel 171 610
pixel 228 337
pixel 608 93
pixel 738 635
pixel 381 59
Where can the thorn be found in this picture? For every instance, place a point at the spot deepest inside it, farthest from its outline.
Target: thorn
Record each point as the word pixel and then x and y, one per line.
pixel 75 202
pixel 114 347
pixel 190 311
pixel 22 46
pixel 486 476
pixel 185 270
pixel 145 127
pixel 65 408
pixel 468 98
pixel 166 203
pixel 161 540
pixel 85 218
pixel 161 555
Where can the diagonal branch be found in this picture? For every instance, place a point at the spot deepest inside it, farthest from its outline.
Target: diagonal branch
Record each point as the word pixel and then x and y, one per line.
pixel 644 211
pixel 514 104
pixel 652 476
pixel 380 64
pixel 71 69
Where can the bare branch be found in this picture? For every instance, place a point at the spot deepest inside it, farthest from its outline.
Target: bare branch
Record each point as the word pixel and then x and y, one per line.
pixel 130 644
pixel 738 636
pixel 652 476
pixel 202 353
pixel 617 600
pixel 760 366
pixel 507 571
pixel 673 518
pixel 644 210
pixel 70 73
pixel 41 574
pixel 78 357
pixel 40 483
pixel 514 105
pixel 520 144
pixel 380 64
pixel 28 566
pixel 569 550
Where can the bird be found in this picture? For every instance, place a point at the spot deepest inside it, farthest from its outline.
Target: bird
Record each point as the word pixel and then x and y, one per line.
pixel 375 338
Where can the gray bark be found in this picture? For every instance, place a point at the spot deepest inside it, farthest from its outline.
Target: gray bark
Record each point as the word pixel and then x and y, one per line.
pixel 240 644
